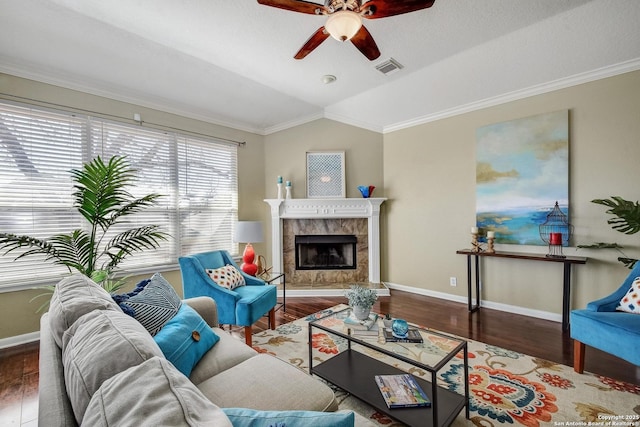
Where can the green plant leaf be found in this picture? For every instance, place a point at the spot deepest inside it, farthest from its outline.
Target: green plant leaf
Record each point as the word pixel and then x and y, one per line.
pixel 627 214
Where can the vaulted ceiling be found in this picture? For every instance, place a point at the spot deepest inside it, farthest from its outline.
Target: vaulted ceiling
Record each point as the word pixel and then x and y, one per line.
pixel 231 62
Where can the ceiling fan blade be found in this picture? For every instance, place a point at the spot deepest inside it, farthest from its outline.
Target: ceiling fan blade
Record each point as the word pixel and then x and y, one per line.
pixel 314 41
pixel 294 5
pixel 365 44
pixel 385 8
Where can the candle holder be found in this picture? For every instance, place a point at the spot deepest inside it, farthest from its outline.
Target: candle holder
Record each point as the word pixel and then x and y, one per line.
pixel 490 249
pixel 475 245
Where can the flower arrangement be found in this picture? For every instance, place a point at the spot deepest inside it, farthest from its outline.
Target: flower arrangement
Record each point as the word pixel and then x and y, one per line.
pixel 359 296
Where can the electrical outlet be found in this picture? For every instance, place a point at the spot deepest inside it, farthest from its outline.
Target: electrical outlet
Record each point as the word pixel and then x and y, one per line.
pixel 453 281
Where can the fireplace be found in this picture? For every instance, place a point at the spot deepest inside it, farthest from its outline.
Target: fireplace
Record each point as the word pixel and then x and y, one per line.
pixel 325 252
pixel 322 217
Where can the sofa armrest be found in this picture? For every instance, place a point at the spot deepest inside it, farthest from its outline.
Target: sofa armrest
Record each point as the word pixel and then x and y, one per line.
pixel 206 307
pixel 608 303
pixel 54 407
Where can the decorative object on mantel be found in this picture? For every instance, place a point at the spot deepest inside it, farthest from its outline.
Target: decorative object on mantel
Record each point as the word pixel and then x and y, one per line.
pixel 475 245
pixel 248 232
pixel 325 174
pixel 556 232
pixel 491 236
pixel 288 190
pixel 366 190
pixel 361 300
pixel 279 188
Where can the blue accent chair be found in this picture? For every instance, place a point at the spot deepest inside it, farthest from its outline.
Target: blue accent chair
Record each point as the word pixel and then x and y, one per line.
pixel 602 327
pixel 242 306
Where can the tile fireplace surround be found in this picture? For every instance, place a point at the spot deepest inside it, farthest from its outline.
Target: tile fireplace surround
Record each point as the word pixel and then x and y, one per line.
pixel 356 216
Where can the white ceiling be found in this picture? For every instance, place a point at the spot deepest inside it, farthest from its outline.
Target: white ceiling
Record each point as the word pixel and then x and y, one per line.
pixel 231 62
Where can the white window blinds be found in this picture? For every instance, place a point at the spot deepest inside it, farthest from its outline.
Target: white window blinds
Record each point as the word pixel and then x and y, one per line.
pixel 38 148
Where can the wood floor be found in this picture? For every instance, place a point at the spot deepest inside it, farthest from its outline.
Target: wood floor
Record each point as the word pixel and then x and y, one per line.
pixel 539 338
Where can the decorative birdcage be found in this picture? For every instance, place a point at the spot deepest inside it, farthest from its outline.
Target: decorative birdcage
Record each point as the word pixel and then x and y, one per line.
pixel 556 232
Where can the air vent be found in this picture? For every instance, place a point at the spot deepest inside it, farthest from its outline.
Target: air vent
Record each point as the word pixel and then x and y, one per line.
pixel 389 67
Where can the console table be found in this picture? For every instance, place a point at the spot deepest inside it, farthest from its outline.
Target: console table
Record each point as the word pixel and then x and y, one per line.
pixel 566 282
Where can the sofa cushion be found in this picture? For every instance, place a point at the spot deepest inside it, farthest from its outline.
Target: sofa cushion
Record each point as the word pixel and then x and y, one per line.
pixel 227 352
pixel 296 390
pixel 631 301
pixel 98 346
pixel 153 303
pixel 73 297
pixel 227 277
pixel 185 339
pixel 242 417
pixel 153 393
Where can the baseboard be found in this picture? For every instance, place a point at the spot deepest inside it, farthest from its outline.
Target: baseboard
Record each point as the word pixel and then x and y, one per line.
pixel 523 311
pixel 19 339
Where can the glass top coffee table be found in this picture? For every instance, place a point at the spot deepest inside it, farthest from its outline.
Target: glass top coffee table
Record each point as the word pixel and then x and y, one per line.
pixel 354 371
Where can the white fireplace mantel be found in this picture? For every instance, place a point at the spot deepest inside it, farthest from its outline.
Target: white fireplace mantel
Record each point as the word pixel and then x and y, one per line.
pixel 328 208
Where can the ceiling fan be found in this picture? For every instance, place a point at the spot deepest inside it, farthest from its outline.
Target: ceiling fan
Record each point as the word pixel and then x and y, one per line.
pixel 344 20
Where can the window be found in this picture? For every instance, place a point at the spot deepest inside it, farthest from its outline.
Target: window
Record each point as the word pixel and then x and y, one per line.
pixel 38 148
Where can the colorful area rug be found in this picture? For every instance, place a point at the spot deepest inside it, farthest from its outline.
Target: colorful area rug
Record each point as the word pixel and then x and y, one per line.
pixel 506 387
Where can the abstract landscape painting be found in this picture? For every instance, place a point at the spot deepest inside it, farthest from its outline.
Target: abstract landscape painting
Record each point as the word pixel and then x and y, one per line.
pixel 522 170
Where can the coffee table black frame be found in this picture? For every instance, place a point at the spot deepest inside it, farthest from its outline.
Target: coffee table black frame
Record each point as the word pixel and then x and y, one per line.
pixel 354 372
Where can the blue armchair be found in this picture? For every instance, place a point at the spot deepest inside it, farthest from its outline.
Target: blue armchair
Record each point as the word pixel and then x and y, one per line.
pixel 242 306
pixel 604 328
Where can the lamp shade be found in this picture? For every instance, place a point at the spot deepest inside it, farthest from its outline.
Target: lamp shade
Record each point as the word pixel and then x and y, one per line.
pixel 248 232
pixel 343 25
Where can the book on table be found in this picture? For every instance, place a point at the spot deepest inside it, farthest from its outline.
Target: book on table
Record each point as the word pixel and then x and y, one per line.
pixel 413 336
pixel 401 391
pixel 374 331
pixel 353 323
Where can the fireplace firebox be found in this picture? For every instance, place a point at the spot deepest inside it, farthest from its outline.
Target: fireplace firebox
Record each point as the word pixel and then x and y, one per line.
pixel 325 252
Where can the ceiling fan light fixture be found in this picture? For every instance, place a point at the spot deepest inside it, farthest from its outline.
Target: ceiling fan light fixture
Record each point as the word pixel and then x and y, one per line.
pixel 343 25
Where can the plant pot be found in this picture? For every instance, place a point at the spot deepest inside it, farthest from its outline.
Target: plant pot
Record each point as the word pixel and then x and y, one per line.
pixel 361 313
pixel 387 323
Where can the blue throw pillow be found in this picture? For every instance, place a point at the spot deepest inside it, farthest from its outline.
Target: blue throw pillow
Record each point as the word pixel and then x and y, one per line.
pixel 153 302
pixel 241 417
pixel 185 339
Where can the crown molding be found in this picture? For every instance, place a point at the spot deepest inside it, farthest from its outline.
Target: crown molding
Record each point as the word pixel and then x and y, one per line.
pixel 577 79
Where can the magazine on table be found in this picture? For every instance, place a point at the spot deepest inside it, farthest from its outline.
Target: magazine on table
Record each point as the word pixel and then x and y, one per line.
pixel 353 323
pixel 413 336
pixel 401 391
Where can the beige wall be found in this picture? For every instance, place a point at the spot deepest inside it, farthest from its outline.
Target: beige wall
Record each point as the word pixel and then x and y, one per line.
pixel 17 313
pixel 429 176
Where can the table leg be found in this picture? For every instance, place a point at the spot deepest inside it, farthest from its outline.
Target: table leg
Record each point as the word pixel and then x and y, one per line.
pixel 566 296
pixel 473 307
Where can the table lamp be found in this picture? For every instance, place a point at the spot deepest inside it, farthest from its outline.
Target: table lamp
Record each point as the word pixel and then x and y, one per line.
pixel 248 232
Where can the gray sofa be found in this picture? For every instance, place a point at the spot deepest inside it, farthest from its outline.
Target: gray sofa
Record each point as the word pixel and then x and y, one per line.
pixel 81 385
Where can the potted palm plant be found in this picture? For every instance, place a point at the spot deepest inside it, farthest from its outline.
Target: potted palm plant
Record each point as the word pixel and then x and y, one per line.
pixel 102 198
pixel 361 299
pixel 626 219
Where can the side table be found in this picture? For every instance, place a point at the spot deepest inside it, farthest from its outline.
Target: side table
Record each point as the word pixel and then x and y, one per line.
pixel 272 277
